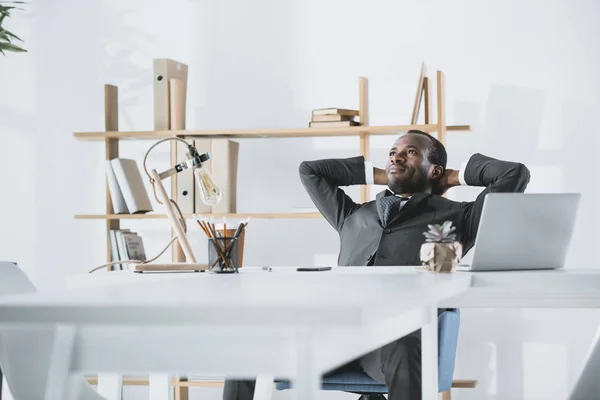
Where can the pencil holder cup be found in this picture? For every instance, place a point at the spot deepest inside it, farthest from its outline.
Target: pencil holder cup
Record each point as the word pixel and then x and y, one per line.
pixel 229 233
pixel 223 255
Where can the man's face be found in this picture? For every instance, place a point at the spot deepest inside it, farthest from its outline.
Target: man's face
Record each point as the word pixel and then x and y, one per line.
pixel 408 167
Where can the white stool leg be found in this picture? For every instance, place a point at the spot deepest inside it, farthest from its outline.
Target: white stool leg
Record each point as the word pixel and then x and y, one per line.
pixel 60 362
pixel 6 394
pixel 264 387
pixel 110 386
pixel 160 387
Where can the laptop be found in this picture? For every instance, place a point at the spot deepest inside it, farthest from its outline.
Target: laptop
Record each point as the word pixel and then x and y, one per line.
pixel 519 231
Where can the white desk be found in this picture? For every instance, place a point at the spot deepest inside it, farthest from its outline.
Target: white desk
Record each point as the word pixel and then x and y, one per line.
pixel 561 288
pixel 283 323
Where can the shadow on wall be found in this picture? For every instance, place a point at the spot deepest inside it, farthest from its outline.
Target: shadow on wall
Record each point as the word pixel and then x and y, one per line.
pixel 248 86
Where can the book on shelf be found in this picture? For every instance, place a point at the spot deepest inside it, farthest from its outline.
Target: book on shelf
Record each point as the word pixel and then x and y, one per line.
pixel 127 190
pixel 116 196
pixel 335 111
pixel 333 118
pixel 125 245
pixel 332 124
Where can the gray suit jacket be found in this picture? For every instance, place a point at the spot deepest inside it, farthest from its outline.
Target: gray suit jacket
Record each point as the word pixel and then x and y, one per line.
pixel 364 241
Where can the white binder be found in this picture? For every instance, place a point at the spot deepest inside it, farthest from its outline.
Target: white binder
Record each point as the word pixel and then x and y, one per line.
pixel 164 71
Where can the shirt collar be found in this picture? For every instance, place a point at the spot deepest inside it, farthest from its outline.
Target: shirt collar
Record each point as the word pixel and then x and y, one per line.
pixel 397 195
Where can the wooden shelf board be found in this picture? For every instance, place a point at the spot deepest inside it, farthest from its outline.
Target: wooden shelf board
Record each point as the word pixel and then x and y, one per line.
pixel 131 381
pixel 265 133
pixel 299 215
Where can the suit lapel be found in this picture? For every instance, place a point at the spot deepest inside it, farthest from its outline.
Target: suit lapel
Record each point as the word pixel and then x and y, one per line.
pixel 405 211
pixel 409 208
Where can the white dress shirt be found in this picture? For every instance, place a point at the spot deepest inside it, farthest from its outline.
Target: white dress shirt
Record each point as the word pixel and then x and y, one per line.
pixel 370 180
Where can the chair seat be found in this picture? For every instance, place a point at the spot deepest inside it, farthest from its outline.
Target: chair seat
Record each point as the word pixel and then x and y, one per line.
pixel 361 383
pixel 353 382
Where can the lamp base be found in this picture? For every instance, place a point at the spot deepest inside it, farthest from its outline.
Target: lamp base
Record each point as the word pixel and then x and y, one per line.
pixel 175 267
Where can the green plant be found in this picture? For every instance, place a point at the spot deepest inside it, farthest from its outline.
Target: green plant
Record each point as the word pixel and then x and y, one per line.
pixel 440 233
pixel 7 38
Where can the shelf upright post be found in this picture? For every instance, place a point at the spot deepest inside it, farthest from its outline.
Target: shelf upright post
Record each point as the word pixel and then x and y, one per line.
pixel 441 107
pixel 363 114
pixel 427 88
pixel 111 124
pixel 176 122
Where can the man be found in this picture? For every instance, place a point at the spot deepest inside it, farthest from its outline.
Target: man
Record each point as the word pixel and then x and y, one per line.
pixel 389 230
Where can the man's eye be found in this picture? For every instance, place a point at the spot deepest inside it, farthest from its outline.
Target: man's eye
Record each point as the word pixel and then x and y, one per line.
pixel 392 153
pixel 412 152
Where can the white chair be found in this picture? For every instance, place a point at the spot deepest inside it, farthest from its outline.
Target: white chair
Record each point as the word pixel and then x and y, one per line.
pixel 28 372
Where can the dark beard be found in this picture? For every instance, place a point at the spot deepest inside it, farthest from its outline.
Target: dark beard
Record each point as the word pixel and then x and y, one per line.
pixel 413 182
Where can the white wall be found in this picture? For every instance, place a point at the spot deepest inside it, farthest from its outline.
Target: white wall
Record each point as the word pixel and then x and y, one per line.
pixel 522 73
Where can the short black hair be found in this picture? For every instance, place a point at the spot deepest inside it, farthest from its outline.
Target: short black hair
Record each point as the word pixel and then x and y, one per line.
pixel 437 151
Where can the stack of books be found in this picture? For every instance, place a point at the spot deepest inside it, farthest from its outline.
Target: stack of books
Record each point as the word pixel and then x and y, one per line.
pixel 333 117
pixel 125 245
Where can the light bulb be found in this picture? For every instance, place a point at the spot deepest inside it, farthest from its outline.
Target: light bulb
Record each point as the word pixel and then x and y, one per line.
pixel 211 193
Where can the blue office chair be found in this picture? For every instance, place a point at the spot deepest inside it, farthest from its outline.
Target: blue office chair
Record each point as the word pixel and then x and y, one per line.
pixel 369 389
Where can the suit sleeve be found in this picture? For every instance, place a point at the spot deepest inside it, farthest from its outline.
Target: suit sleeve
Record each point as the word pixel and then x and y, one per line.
pixel 497 176
pixel 322 180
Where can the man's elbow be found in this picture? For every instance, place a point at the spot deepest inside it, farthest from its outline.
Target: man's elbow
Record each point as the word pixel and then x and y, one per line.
pixel 305 169
pixel 521 176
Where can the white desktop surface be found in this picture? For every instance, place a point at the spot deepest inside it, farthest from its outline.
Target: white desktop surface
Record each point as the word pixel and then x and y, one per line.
pixel 552 288
pixel 298 324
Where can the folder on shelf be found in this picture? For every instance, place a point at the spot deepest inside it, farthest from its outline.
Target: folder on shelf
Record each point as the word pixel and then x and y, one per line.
pixel 224 160
pixel 165 70
pixel 203 146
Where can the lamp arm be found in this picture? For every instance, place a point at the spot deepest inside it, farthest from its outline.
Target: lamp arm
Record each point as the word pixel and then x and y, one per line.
pixel 146 158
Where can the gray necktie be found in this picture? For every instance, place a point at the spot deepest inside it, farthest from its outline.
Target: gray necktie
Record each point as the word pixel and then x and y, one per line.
pixel 390 206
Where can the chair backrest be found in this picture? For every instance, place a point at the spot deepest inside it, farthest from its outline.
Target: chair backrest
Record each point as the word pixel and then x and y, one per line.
pixel 13 280
pixel 26 372
pixel 448 326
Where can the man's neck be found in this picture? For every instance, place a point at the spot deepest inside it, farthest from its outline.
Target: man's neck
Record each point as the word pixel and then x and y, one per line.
pixel 406 194
pixel 400 194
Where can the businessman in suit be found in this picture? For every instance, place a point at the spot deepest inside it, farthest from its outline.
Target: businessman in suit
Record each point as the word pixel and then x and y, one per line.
pixel 389 230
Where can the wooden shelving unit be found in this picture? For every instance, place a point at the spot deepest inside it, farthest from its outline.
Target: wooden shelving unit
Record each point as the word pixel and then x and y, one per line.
pixel 299 215
pixel 112 136
pixel 265 133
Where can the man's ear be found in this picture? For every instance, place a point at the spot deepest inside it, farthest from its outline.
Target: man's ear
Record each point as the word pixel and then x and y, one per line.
pixel 436 172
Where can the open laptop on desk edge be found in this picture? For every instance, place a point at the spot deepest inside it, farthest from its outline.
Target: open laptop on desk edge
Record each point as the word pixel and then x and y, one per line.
pixel 524 231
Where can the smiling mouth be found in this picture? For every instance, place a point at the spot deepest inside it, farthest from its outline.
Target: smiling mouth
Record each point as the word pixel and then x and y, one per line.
pixel 395 168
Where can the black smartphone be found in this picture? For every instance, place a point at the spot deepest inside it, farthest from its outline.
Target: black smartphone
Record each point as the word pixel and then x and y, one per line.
pixel 306 269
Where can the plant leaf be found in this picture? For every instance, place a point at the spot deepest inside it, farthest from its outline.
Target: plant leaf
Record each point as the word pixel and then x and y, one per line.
pixel 11 47
pixel 7 35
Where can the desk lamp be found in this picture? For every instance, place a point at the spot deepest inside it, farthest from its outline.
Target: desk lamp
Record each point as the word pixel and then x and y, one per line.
pixel 211 195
